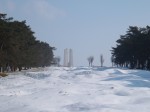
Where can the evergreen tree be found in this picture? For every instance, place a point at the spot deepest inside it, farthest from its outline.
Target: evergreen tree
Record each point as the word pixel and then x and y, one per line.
pixel 133 48
pixel 19 47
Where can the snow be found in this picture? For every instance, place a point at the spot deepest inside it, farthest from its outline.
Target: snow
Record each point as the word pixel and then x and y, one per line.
pixel 76 89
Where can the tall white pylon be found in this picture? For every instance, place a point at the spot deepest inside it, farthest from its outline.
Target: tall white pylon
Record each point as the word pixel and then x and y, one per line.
pixel 68 57
pixel 65 57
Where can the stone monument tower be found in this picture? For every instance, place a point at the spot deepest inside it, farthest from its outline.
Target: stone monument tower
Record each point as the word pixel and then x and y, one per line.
pixel 68 57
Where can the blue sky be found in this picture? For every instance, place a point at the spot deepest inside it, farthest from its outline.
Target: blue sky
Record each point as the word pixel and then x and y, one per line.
pixel 89 27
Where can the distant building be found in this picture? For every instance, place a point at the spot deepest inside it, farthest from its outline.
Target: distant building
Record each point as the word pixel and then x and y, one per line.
pixel 68 57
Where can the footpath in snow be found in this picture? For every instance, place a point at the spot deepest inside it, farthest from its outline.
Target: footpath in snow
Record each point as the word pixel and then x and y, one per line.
pixel 77 89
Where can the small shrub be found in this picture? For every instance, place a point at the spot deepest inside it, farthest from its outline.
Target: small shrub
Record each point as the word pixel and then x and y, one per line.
pixel 3 75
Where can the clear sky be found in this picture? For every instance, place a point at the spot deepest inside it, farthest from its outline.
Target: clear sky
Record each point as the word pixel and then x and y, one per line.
pixel 89 27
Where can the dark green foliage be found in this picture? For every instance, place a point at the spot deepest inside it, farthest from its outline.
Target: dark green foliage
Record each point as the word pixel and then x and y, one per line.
pixel 19 48
pixel 133 48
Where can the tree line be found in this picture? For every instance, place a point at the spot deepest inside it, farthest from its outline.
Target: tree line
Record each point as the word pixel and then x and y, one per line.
pixel 20 48
pixel 133 48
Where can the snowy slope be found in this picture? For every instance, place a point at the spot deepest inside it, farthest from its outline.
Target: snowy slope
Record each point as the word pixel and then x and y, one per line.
pixel 78 89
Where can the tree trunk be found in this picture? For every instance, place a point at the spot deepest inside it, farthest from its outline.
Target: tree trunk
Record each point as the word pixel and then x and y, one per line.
pixel 1 69
pixel 20 68
pixel 89 63
pixel 2 46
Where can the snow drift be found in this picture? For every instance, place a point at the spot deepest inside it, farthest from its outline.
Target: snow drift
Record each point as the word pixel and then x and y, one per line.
pixel 77 89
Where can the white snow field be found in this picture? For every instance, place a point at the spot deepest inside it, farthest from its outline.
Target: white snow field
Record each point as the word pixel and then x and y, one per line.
pixel 77 89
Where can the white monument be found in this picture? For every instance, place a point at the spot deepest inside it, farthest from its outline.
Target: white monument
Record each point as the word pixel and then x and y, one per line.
pixel 68 57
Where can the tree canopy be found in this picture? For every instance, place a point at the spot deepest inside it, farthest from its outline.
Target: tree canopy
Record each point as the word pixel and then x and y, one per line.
pixel 19 47
pixel 90 60
pixel 133 48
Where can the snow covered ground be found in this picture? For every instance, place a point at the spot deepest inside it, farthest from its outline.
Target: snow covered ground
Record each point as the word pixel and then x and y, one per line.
pixel 77 89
